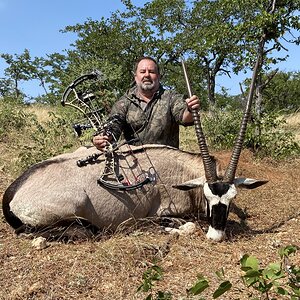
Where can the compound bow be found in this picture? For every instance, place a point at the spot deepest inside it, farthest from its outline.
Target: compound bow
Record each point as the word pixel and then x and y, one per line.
pixel 81 94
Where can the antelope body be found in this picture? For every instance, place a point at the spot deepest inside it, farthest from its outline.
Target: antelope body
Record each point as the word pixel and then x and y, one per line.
pixel 57 189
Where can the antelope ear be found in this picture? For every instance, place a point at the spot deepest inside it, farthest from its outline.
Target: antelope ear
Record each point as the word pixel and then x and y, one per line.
pixel 248 183
pixel 191 184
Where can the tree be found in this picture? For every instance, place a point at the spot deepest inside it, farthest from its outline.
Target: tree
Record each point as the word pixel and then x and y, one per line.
pixel 220 36
pixel 40 73
pixel 6 87
pixel 216 37
pixel 283 92
pixel 18 70
pixel 52 70
pixel 112 45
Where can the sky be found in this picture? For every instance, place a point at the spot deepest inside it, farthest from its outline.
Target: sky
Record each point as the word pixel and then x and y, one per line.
pixel 35 25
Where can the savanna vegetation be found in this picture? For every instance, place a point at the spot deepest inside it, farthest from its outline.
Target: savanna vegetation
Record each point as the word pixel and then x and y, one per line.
pixel 215 37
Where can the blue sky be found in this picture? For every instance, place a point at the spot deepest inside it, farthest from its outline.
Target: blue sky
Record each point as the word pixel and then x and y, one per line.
pixel 35 25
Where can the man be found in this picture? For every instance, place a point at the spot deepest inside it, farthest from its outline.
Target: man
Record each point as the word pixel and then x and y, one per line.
pixel 147 112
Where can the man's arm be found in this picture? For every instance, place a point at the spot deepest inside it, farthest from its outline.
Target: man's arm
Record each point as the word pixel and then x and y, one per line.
pixel 115 128
pixel 192 103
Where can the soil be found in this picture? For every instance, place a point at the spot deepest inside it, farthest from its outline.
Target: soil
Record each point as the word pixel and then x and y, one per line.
pixel 112 266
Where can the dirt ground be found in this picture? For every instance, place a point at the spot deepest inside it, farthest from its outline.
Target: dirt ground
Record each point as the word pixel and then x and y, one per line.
pixel 111 267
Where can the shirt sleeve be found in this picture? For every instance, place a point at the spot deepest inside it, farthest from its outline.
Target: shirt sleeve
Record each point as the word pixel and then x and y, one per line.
pixel 118 117
pixel 178 106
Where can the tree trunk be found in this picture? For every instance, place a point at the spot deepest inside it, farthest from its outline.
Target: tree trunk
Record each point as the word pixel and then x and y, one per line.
pixel 211 84
pixel 258 113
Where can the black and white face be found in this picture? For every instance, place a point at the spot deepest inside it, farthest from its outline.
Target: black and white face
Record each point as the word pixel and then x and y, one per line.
pixel 218 197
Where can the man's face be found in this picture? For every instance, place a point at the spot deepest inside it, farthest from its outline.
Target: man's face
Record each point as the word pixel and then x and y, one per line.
pixel 147 76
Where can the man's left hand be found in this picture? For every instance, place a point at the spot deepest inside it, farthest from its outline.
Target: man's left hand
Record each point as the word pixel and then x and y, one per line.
pixel 193 103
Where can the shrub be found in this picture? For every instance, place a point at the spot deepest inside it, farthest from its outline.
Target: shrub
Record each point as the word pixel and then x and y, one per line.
pixel 279 278
pixel 13 118
pixel 26 140
pixel 266 137
pixel 221 128
pixel 276 279
pixel 46 140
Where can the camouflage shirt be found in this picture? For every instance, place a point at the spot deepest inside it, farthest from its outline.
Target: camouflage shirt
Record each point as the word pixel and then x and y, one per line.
pixel 155 122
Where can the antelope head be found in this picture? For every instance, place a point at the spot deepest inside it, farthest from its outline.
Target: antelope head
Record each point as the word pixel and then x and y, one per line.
pixel 219 191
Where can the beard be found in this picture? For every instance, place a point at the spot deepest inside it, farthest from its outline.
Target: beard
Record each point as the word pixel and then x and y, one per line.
pixel 147 86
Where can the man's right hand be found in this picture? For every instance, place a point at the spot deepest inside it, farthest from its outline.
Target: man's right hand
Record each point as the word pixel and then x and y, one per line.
pixel 100 141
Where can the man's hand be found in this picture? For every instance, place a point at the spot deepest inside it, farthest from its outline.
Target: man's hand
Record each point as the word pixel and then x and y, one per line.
pixel 100 141
pixel 193 103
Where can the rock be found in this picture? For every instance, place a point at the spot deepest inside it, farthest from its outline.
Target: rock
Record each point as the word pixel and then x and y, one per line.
pixel 186 229
pixel 39 243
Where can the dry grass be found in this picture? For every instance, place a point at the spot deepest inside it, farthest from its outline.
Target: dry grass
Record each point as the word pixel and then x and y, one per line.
pixel 111 267
pixel 293 119
pixel 293 123
pixel 41 112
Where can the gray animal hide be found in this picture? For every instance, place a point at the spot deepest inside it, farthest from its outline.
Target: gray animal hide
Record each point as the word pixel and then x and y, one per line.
pixel 57 189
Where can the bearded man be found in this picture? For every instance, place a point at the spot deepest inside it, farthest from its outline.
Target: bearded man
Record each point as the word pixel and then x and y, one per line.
pixel 148 113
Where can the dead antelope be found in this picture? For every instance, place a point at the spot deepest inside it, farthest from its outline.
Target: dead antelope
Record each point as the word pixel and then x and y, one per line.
pixel 57 189
pixel 178 183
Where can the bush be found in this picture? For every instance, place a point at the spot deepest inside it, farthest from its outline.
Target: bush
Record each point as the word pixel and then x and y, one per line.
pixel 13 118
pixel 266 137
pixel 221 128
pixel 276 279
pixel 45 140
pixel 26 140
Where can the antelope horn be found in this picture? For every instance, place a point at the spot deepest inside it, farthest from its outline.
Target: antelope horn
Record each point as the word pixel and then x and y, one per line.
pixel 232 166
pixel 210 171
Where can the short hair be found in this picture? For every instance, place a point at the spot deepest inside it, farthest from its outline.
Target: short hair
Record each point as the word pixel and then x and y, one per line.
pixel 145 58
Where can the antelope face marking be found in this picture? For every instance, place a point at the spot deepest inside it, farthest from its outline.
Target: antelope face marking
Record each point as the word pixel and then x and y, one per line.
pixel 218 197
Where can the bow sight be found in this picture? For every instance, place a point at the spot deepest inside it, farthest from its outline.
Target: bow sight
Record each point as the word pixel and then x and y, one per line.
pixel 84 94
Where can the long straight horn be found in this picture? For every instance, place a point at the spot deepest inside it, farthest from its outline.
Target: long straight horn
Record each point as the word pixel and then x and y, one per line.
pixel 232 166
pixel 210 171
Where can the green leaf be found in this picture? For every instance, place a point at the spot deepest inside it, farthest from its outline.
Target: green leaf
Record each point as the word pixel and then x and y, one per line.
pixel 249 262
pixel 251 277
pixel 145 286
pixel 199 287
pixel 220 273
pixel 286 251
pixel 275 267
pixel 252 274
pixel 273 271
pixel 223 287
pixel 281 291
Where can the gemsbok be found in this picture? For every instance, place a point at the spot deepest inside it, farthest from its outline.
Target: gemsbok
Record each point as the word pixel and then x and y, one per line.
pixel 168 181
